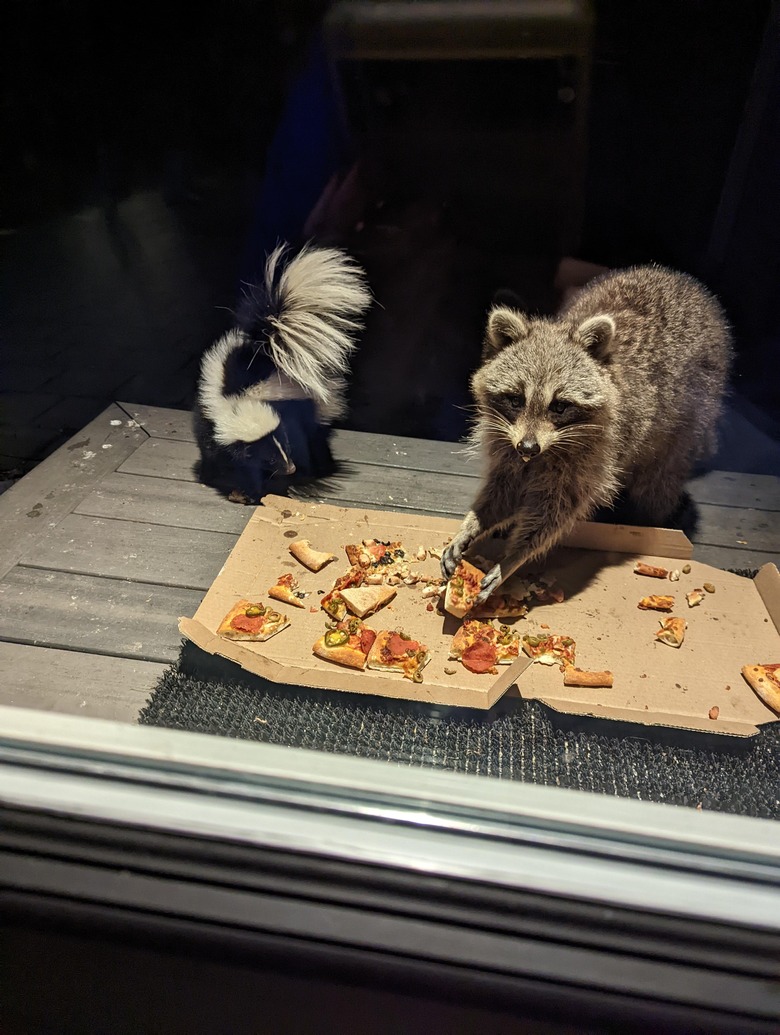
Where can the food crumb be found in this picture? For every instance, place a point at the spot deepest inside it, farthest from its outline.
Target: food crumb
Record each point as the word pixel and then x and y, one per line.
pixel 646 708
pixel 686 569
pixel 708 587
pixel 728 687
pixel 429 607
pixel 314 610
pixel 643 676
pixel 678 686
pixel 449 671
pixel 714 712
pixel 544 626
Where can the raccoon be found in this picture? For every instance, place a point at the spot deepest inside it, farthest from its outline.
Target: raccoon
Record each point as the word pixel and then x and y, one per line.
pixel 619 394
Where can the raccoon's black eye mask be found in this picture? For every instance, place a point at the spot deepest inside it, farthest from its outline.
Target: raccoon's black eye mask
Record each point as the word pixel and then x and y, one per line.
pixel 513 401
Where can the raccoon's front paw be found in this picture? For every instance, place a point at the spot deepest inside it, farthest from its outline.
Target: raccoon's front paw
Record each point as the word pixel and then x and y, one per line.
pixel 451 558
pixel 490 583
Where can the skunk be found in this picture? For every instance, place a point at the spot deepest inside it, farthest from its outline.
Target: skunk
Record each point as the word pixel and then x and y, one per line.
pixel 271 387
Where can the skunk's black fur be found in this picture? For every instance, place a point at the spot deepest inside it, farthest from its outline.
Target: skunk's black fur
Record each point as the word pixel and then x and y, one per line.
pixel 270 389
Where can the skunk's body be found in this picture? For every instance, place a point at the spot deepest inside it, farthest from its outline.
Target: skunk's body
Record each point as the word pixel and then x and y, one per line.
pixel 270 389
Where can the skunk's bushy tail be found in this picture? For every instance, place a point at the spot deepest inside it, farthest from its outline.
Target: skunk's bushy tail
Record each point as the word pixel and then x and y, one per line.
pixel 305 315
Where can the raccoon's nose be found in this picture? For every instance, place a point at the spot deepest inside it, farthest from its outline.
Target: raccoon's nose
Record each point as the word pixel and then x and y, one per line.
pixel 528 448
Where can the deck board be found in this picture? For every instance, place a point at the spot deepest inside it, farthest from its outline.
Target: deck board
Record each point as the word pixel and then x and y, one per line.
pixel 73 683
pixel 93 614
pixel 188 558
pixel 161 501
pixel 54 488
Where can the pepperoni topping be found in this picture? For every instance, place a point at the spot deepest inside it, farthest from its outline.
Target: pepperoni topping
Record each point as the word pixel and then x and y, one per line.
pixel 377 551
pixel 398 646
pixel 285 580
pixel 367 637
pixel 243 623
pixel 480 656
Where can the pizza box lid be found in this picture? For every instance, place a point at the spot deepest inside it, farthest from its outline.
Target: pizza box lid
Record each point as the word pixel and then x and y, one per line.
pixel 654 684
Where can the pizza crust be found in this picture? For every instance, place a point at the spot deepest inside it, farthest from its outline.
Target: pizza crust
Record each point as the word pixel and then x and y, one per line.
pixel 578 677
pixel 764 680
pixel 312 559
pixel 343 655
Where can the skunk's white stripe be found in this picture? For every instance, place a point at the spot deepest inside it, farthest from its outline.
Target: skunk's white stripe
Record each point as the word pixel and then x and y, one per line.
pixel 236 418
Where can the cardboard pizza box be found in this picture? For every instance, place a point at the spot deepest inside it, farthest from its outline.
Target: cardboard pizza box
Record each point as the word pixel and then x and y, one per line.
pixel 654 684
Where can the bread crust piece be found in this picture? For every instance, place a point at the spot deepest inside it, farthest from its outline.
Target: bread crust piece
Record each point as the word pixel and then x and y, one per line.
pixel 472 577
pixel 366 600
pixel 314 560
pixel 672 631
pixel 764 680
pixel 226 630
pixel 578 677
pixel 640 568
pixel 656 603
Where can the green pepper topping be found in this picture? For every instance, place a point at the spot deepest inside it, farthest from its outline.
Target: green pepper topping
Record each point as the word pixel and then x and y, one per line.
pixel 336 637
pixel 254 611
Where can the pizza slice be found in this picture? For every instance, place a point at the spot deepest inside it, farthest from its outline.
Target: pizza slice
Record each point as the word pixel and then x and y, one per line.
pixel 347 644
pixel 333 603
pixel 765 681
pixel 656 603
pixel 480 646
pixel 463 589
pixel 672 631
pixel 550 650
pixel 285 589
pixel 394 651
pixel 372 553
pixel 310 558
pixel 251 621
pixel 366 600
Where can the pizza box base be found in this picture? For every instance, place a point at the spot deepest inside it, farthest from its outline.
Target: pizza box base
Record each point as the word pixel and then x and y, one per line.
pixel 654 685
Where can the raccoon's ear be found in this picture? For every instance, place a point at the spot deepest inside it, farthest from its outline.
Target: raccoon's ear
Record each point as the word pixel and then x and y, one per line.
pixel 503 327
pixel 597 334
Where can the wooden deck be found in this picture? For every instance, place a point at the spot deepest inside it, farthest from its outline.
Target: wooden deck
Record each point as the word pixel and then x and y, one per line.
pixel 107 542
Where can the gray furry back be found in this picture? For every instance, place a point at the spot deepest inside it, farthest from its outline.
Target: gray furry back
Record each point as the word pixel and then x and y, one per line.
pixel 672 354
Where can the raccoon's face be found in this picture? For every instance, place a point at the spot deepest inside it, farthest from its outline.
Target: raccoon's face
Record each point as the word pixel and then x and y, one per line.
pixel 543 385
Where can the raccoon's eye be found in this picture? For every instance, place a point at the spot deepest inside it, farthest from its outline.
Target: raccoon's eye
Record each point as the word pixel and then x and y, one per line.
pixel 559 406
pixel 515 402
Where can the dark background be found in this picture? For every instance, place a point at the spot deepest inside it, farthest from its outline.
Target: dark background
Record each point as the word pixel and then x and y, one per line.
pixel 152 154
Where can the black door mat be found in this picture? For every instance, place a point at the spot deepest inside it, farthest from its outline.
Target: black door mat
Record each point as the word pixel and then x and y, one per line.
pixel 516 740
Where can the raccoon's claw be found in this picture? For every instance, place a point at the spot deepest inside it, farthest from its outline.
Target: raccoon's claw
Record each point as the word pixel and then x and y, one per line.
pixel 450 559
pixel 490 583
